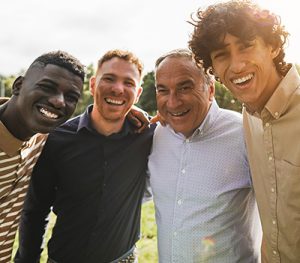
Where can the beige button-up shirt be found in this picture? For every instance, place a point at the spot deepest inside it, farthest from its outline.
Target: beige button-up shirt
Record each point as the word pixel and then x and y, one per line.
pixel 273 144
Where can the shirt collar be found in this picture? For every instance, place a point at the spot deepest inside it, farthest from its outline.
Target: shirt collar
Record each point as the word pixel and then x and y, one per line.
pixel 279 100
pixel 85 122
pixel 209 119
pixel 9 143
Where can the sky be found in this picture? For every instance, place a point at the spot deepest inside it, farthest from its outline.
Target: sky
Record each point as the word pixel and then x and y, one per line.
pixel 89 28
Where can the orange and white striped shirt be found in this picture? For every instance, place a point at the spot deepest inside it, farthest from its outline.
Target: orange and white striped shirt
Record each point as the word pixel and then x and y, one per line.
pixel 17 159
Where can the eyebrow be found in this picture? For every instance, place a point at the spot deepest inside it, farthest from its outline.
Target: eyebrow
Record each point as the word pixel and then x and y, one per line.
pixel 50 81
pixel 185 82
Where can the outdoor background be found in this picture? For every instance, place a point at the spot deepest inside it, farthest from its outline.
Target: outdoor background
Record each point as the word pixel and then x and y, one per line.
pixel 147 246
pixel 88 29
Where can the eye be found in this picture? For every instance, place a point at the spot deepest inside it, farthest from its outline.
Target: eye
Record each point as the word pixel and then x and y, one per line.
pixel 72 98
pixel 247 44
pixel 108 78
pixel 184 89
pixel 129 84
pixel 46 88
pixel 219 54
pixel 161 90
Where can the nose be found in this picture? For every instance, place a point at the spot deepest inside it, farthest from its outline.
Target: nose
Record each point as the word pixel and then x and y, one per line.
pixel 118 88
pixel 58 100
pixel 173 101
pixel 238 63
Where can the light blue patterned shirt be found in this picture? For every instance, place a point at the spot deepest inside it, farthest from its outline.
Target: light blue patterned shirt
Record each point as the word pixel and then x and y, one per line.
pixel 205 206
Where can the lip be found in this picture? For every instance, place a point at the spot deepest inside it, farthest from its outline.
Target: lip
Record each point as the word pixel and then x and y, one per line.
pixel 114 101
pixel 246 81
pixel 178 114
pixel 46 108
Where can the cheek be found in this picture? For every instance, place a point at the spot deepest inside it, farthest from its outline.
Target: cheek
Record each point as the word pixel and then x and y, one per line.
pixel 71 108
pixel 159 102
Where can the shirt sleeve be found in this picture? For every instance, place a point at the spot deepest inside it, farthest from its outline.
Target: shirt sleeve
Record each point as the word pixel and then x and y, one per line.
pixel 39 199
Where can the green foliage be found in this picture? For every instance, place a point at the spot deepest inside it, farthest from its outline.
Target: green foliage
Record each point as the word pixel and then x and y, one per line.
pixel 6 84
pixel 147 245
pixel 148 98
pixel 225 99
pixel 86 98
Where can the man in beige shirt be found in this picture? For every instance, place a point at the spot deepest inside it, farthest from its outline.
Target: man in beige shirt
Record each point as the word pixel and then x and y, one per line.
pixel 242 45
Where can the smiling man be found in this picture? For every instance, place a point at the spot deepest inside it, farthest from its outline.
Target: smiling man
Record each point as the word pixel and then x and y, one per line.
pixel 199 174
pixel 243 46
pixel 45 97
pixel 92 171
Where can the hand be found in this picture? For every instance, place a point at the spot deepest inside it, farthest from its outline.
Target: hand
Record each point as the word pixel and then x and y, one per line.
pixel 159 118
pixel 139 118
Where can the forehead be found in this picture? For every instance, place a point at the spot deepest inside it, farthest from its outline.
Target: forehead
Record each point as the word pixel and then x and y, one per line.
pixel 54 74
pixel 176 69
pixel 121 68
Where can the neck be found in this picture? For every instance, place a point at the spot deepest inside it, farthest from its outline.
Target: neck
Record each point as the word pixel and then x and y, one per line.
pixel 259 105
pixel 104 126
pixel 10 118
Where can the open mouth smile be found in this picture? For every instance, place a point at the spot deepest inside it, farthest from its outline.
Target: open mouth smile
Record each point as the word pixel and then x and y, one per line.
pixel 47 113
pixel 178 113
pixel 243 80
pixel 114 101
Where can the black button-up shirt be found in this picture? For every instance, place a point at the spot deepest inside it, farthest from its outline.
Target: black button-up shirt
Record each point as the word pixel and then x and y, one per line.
pixel 95 185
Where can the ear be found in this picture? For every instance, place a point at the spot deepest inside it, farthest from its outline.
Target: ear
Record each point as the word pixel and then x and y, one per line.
pixel 275 51
pixel 92 85
pixel 17 85
pixel 211 91
pixel 139 92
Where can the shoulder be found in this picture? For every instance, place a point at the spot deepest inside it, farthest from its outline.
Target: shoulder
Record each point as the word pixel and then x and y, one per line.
pixel 231 116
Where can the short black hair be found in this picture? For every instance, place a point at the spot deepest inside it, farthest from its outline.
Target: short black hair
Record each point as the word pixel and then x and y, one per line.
pixel 61 59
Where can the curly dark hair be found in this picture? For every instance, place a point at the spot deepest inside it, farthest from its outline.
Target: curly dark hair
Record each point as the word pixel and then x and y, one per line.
pixel 61 59
pixel 242 19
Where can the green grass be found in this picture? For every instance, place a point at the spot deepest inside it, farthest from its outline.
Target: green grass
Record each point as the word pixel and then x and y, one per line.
pixel 147 245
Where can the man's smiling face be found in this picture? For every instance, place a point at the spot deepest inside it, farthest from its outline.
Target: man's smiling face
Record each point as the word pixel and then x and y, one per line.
pixel 46 97
pixel 247 70
pixel 115 89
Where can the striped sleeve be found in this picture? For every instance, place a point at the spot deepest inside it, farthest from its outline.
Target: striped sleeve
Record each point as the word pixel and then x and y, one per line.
pixel 15 172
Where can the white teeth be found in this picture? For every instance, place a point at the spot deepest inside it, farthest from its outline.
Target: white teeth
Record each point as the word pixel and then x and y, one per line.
pixel 176 114
pixel 243 79
pixel 48 114
pixel 111 101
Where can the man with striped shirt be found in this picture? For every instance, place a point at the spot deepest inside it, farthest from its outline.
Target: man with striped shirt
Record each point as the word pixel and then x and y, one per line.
pixel 42 99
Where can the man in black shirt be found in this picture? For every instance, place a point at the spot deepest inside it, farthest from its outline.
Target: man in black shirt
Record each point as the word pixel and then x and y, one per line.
pixel 92 172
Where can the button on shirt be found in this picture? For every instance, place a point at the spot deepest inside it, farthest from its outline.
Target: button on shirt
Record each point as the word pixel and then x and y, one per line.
pixel 95 184
pixel 273 144
pixel 205 206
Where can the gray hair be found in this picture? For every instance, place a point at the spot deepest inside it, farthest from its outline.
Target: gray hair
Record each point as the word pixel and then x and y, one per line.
pixel 185 53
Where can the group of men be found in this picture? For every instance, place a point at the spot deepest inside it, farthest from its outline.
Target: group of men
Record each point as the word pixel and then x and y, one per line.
pixel 94 170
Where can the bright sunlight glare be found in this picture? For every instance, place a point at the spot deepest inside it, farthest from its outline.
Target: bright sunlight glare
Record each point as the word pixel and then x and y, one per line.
pixel 288 11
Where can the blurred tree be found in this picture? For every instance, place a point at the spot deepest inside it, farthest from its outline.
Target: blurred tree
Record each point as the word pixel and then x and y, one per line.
pixel 86 98
pixel 6 84
pixel 225 99
pixel 147 100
